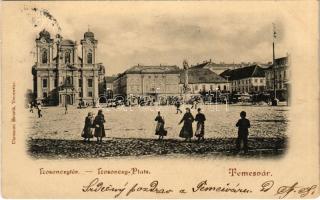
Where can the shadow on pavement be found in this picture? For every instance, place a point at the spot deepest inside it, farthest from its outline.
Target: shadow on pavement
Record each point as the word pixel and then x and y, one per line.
pixel 119 147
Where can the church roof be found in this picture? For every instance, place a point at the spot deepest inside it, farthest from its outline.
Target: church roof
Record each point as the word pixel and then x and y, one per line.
pixel 44 33
pixel 67 42
pixel 88 34
pixel 201 75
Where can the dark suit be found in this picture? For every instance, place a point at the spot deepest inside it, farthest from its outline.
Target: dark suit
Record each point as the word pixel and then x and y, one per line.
pixel 243 124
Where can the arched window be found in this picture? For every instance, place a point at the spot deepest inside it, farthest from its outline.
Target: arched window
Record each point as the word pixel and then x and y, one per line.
pixel 89 58
pixel 44 57
pixel 67 57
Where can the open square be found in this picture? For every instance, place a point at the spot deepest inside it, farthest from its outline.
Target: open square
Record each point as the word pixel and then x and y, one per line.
pixel 131 131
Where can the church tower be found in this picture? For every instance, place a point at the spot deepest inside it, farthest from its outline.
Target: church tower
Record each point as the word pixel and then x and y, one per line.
pixel 90 69
pixel 43 74
pixel 44 45
pixel 89 46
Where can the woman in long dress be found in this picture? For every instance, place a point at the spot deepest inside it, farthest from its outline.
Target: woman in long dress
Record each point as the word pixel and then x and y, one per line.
pixel 160 131
pixel 99 131
pixel 187 131
pixel 200 118
pixel 87 130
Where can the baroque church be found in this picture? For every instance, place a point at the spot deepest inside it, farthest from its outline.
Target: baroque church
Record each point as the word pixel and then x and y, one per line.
pixel 61 76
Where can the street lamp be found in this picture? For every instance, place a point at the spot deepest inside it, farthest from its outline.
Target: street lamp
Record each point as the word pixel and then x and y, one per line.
pixel 66 96
pixel 130 101
pixel 228 90
pixel 207 97
pixel 108 89
pixel 157 93
pixel 228 86
pixel 217 98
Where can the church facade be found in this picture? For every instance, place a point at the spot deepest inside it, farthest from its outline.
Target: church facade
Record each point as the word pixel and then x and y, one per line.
pixel 61 76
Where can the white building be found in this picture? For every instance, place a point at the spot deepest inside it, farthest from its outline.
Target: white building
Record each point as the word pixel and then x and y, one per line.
pixel 203 80
pixel 247 79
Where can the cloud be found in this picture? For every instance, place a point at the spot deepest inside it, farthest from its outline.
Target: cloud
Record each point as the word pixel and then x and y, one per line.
pixel 153 34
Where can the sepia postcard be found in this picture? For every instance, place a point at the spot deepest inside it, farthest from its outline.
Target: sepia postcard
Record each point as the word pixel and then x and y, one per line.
pixel 160 99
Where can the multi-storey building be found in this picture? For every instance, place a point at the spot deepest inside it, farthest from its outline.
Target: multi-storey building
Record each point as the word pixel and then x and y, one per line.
pixel 109 86
pixel 66 78
pixel 247 79
pixel 203 80
pixel 148 81
pixel 277 78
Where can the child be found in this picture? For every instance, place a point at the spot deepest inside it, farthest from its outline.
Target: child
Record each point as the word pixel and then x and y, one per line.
pixel 160 126
pixel 243 124
pixel 200 118
pixel 39 110
pixel 178 104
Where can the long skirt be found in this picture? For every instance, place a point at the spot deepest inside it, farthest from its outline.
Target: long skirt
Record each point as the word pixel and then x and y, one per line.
pixel 160 129
pixel 99 132
pixel 200 130
pixel 186 131
pixel 87 132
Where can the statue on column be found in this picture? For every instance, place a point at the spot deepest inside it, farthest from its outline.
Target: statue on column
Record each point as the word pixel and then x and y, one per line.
pixel 186 87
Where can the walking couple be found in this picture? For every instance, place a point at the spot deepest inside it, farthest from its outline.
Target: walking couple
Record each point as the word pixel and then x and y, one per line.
pixel 187 130
pixel 94 124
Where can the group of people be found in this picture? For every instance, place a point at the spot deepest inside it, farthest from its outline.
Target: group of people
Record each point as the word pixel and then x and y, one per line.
pixel 194 102
pixel 37 106
pixel 94 127
pixel 186 132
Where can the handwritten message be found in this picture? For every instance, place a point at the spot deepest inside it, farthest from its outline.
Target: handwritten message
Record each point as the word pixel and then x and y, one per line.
pixel 104 184
pixel 127 189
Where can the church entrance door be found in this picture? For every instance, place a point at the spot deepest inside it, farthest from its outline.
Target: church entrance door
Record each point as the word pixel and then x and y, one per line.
pixel 68 100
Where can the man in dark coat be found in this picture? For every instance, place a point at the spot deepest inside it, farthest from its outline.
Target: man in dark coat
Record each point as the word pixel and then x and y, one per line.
pixel 187 131
pixel 99 131
pixel 200 118
pixel 243 124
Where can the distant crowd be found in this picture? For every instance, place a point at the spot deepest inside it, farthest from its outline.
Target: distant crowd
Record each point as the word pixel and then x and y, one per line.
pixel 34 105
pixel 151 100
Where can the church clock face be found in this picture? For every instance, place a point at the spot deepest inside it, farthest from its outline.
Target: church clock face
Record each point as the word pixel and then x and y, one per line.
pixel 89 42
pixel 42 40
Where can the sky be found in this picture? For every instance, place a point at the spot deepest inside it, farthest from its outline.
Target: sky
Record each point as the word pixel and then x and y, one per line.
pixel 131 33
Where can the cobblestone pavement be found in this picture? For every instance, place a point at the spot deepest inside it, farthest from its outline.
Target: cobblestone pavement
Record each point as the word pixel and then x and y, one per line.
pixel 130 131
